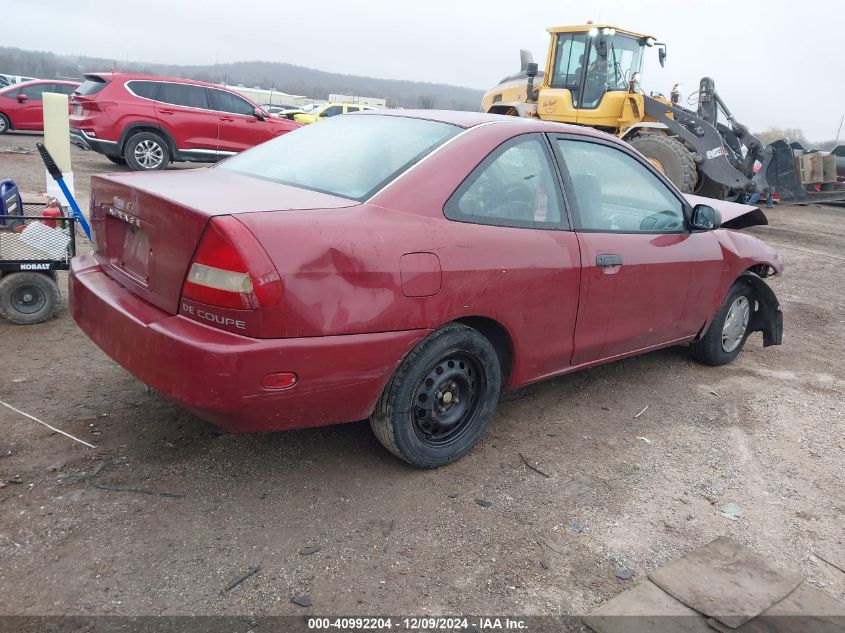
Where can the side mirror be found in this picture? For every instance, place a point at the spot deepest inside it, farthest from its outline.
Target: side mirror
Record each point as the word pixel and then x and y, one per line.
pixel 531 73
pixel 661 55
pixel 22 97
pixel 704 218
pixel 258 113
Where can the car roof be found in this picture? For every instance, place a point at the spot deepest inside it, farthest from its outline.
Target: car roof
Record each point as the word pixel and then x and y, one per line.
pixel 468 120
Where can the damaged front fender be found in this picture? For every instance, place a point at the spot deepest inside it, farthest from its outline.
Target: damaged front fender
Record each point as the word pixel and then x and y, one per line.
pixel 768 317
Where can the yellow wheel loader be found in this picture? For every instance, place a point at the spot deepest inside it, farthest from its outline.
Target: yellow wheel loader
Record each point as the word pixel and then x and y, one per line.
pixel 592 77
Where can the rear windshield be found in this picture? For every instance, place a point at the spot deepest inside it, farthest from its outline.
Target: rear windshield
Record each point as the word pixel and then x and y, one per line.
pixel 351 156
pixel 91 86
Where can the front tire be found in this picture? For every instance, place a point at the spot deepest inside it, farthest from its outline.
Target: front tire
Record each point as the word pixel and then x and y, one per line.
pixel 671 157
pixel 729 329
pixel 441 398
pixel 5 124
pixel 28 298
pixel 146 151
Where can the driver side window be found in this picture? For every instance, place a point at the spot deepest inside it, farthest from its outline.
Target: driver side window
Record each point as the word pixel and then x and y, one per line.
pixel 614 192
pixel 513 186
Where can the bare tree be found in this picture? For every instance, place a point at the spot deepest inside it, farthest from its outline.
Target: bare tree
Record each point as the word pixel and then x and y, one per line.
pixel 426 102
pixel 791 134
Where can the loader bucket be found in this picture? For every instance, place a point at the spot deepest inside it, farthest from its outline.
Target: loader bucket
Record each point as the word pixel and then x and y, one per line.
pixel 781 176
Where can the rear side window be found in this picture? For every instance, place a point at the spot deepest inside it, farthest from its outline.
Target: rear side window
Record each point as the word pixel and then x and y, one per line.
pixel 91 86
pixel 227 102
pixel 146 89
pixel 183 95
pixel 514 186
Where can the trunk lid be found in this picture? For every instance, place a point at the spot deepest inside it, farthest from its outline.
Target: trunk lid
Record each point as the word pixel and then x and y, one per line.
pixel 147 225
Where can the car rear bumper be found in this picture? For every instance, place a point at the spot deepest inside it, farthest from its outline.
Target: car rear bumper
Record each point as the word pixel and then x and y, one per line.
pixel 217 375
pixel 85 141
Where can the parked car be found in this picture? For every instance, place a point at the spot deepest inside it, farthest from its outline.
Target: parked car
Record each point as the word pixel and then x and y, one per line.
pixel 407 267
pixel 16 79
pixel 328 110
pixel 281 110
pixel 21 106
pixel 146 121
pixel 306 109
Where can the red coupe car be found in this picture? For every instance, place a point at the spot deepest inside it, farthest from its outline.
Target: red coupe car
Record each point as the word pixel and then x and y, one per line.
pixel 21 105
pixel 406 268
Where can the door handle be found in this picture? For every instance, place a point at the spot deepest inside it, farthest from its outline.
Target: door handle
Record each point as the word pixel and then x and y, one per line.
pixel 165 111
pixel 227 118
pixel 605 261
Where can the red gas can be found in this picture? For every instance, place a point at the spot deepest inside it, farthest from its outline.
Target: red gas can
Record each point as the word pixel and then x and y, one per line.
pixel 52 210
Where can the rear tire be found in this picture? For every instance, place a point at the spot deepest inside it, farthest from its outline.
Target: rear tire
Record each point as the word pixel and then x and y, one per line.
pixel 669 156
pixel 28 298
pixel 726 335
pixel 146 151
pixel 441 398
pixel 5 124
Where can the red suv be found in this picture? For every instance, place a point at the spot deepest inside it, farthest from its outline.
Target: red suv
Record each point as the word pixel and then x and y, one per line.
pixel 21 104
pixel 146 121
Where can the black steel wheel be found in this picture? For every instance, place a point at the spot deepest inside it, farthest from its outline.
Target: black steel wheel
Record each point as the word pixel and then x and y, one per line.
pixel 27 298
pixel 447 398
pixel 441 399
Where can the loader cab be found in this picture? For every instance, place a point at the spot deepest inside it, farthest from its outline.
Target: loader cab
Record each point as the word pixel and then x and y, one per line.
pixel 590 73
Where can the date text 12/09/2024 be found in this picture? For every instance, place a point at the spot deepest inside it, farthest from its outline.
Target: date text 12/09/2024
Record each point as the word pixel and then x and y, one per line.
pixel 491 623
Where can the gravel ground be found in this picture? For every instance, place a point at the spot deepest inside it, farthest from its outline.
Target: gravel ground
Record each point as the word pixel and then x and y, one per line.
pixel 766 433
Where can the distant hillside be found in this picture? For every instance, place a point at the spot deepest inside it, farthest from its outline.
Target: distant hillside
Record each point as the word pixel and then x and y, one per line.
pixel 284 77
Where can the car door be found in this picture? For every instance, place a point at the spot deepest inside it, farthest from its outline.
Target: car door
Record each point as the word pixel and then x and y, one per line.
pixel 29 113
pixel 239 128
pixel 512 238
pixel 183 110
pixel 646 280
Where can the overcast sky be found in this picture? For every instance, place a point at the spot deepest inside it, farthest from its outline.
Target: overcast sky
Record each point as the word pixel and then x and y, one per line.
pixel 775 62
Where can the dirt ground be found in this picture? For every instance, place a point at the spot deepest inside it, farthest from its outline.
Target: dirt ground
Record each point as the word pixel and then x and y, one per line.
pixel 622 493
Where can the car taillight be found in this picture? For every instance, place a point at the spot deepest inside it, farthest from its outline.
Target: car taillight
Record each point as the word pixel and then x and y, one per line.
pixel 230 269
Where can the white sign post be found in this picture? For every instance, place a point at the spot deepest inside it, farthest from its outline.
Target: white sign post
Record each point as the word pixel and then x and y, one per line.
pixel 57 142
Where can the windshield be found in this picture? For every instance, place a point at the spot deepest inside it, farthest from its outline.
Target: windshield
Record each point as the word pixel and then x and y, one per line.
pixel 351 156
pixel 613 70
